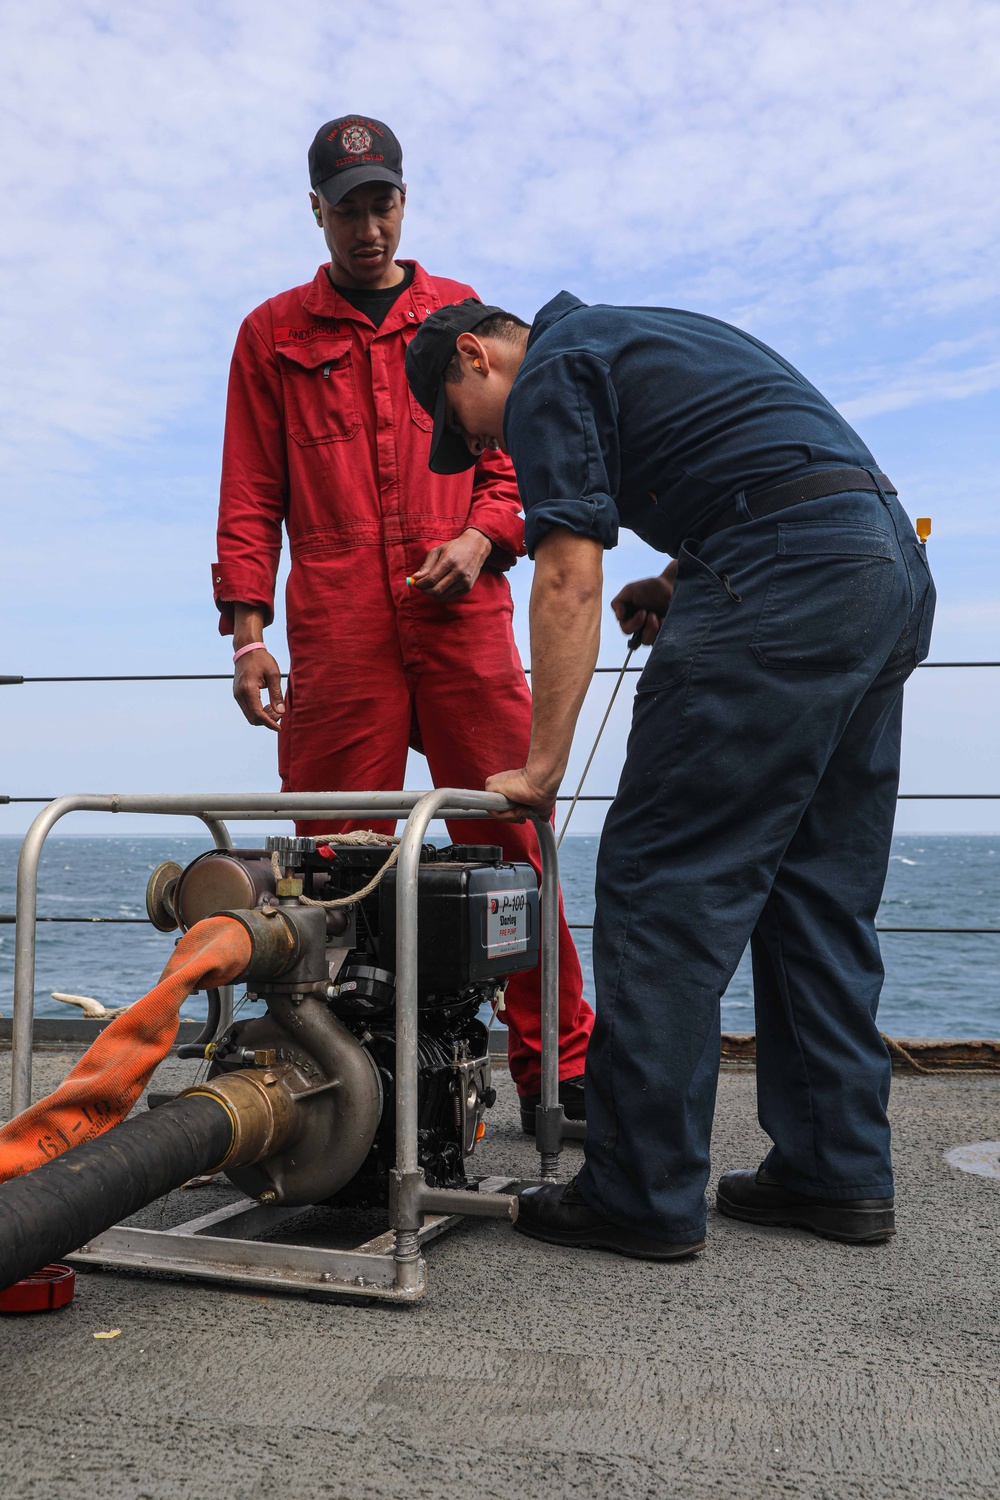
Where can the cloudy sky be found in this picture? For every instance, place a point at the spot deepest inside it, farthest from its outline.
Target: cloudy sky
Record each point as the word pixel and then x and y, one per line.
pixel 823 175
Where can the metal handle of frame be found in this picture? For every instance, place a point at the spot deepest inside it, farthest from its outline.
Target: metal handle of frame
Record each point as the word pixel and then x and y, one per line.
pixel 411 1196
pixel 22 1024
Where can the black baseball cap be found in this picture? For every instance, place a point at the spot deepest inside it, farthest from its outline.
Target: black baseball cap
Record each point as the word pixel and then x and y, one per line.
pixel 427 358
pixel 350 151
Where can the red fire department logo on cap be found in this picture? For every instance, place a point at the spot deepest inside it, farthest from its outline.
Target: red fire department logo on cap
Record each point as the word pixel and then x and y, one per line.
pixel 356 140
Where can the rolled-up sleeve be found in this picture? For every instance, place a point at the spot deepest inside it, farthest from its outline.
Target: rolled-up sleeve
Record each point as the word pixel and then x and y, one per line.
pixel 561 429
pixel 496 509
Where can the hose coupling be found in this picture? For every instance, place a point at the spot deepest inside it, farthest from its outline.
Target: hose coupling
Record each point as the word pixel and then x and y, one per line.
pixel 273 943
pixel 261 1109
pixel 288 943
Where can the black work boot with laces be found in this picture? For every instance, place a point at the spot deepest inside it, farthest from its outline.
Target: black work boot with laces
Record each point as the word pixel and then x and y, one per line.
pixel 570 1097
pixel 557 1213
pixel 755 1198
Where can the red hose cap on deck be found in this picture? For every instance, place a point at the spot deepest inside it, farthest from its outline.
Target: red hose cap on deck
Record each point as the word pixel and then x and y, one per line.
pixel 43 1291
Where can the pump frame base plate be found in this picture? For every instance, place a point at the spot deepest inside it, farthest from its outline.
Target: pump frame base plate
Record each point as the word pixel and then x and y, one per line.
pixel 229 1246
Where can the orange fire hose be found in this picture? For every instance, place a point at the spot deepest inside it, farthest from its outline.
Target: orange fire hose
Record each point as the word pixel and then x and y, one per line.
pixel 101 1090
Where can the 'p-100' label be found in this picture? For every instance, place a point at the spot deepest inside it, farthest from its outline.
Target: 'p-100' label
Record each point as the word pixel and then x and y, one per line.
pixel 506 922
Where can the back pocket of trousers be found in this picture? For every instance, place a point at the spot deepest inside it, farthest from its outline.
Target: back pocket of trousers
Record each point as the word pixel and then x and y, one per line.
pixel 827 596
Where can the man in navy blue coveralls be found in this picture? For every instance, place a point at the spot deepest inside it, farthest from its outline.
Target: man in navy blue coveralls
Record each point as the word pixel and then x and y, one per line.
pixel 757 798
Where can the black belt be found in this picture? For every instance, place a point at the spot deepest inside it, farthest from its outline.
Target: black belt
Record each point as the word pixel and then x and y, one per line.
pixel 761 503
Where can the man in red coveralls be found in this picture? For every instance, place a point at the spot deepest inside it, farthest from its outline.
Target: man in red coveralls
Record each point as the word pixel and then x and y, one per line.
pixel 324 435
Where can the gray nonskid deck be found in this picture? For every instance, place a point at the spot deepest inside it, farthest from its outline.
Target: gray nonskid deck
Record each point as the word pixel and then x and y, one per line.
pixel 774 1364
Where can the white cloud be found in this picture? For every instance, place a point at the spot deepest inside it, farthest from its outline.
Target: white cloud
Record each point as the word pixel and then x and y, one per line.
pixel 821 173
pixel 786 161
pixel 949 371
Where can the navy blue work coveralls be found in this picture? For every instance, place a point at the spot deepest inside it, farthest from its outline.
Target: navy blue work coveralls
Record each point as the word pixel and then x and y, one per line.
pixel 757 798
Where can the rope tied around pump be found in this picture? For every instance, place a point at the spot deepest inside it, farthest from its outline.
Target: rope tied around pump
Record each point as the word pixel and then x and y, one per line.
pixel 358 836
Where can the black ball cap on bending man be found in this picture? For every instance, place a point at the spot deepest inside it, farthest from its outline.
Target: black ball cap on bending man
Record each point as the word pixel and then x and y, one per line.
pixel 350 151
pixel 427 358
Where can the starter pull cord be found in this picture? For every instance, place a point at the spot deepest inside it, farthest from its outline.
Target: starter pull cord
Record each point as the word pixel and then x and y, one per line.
pixel 635 641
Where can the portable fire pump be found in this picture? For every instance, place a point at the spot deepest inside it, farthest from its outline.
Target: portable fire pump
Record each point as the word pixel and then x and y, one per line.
pixel 354 1076
pixel 329 1030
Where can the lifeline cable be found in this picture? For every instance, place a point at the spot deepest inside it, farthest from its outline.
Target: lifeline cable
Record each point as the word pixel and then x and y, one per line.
pixel 634 643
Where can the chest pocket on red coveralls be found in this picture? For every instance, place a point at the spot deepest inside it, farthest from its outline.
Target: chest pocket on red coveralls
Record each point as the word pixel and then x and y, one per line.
pixel 321 392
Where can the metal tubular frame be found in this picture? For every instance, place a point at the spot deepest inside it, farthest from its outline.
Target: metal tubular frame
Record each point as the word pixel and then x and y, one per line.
pixel 391 1267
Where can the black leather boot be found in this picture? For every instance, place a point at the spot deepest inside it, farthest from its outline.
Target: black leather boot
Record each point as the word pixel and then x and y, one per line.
pixel 756 1198
pixel 570 1097
pixel 558 1214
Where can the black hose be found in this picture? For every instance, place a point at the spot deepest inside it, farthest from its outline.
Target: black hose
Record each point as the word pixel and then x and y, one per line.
pixel 66 1202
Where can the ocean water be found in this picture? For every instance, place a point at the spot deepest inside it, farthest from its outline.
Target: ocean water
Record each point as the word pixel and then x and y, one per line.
pixel 937 985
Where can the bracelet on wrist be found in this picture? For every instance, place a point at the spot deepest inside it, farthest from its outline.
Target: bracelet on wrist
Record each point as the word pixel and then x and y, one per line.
pixel 253 646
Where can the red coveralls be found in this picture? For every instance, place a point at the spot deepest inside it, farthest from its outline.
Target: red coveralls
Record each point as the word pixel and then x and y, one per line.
pixel 323 434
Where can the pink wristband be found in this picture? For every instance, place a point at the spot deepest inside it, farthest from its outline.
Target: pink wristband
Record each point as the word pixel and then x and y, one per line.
pixel 253 646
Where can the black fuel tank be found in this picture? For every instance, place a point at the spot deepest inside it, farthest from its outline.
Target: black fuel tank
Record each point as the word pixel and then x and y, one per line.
pixel 476 923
